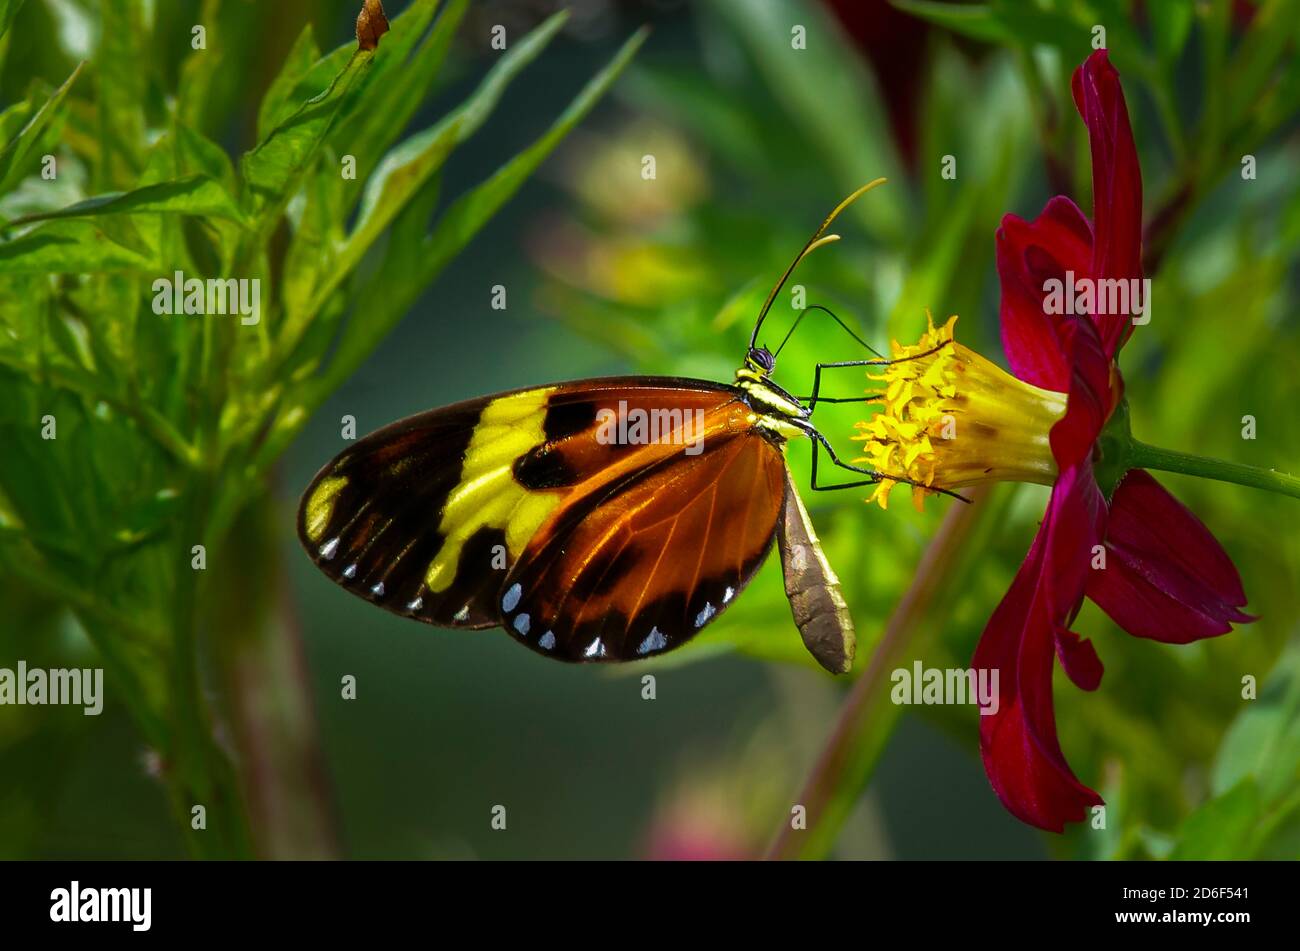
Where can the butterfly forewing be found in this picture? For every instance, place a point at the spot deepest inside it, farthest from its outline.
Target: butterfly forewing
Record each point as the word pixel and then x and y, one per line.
pixel 540 509
pixel 373 519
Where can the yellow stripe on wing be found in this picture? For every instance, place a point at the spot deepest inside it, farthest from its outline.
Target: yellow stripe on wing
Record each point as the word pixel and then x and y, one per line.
pixel 487 495
pixel 320 507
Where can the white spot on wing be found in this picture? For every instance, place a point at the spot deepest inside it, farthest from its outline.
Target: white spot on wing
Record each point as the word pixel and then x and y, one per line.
pixel 706 612
pixel 728 594
pixel 655 641
pixel 328 550
pixel 547 641
pixel 350 571
pixel 377 589
pixel 511 599
pixel 522 623
pixel 416 605
pixel 462 614
pixel 595 649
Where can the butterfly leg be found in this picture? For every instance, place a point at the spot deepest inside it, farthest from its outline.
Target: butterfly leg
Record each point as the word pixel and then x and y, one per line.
pixel 875 477
pixel 816 397
pixel 818 440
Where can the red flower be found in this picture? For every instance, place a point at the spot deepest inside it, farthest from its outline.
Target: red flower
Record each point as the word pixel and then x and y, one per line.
pixel 1165 576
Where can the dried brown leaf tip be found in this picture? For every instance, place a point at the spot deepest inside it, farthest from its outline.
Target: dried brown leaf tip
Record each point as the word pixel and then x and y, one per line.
pixel 371 24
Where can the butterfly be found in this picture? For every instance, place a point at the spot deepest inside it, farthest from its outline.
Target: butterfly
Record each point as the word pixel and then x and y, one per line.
pixel 597 520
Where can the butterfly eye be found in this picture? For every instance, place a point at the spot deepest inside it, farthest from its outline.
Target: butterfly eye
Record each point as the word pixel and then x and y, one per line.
pixel 763 359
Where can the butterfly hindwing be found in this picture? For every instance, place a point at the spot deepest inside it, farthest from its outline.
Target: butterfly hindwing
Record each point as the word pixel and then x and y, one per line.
pixel 642 558
pixel 431 516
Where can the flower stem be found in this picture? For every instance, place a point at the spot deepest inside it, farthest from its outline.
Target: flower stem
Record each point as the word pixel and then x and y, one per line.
pixel 1142 456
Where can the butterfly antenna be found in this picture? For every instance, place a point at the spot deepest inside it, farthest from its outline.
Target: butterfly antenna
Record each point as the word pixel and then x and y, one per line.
pixel 835 317
pixel 815 242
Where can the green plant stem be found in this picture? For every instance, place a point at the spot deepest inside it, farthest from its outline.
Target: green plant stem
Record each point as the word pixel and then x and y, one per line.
pixel 199 772
pixel 1142 456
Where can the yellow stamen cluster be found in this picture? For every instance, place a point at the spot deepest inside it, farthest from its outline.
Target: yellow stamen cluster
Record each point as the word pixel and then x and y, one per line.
pixel 950 418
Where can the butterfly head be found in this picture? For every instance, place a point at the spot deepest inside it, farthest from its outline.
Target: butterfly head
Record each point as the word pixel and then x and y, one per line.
pixel 760 360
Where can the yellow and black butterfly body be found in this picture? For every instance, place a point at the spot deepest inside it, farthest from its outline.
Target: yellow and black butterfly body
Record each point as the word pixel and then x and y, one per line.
pixel 599 520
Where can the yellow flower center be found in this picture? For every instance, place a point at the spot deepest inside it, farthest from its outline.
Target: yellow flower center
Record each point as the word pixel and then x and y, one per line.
pixel 950 418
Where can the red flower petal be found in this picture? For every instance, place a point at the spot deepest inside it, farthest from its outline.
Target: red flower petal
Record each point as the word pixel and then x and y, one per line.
pixel 1116 185
pixel 1021 752
pixel 1092 394
pixel 1166 576
pixel 1029 254
pixel 1079 658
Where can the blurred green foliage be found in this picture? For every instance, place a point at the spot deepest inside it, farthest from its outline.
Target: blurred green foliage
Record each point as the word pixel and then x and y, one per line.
pixel 135 441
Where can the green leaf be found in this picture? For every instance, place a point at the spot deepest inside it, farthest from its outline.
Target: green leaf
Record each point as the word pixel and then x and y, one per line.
pixel 309 84
pixel 406 169
pixel 975 20
pixel 458 225
pixel 121 80
pixel 196 195
pixel 830 99
pixel 1263 743
pixel 317 233
pixel 17 157
pixel 1257 56
pixel 8 10
pixel 13 119
pixel 276 106
pixel 274 166
pixel 1223 828
pixel 402 75
pixel 301 78
pixel 200 68
pixel 197 154
pixel 1171 21
pixel 68 247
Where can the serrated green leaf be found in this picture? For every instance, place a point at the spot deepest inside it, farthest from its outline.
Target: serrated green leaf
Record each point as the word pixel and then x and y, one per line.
pixel 275 166
pixel 403 73
pixel 458 226
pixel 317 78
pixel 69 247
pixel 18 155
pixel 406 169
pixel 196 195
pixel 276 104
pixel 197 154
